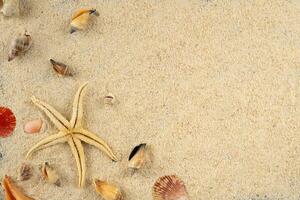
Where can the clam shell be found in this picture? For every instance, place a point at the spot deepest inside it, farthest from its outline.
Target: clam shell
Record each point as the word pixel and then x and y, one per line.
pixel 33 126
pixel 7 122
pixel 137 157
pixel 169 188
pixel 19 46
pixel 12 192
pixel 81 18
pixel 107 190
pixel 49 174
pixel 12 7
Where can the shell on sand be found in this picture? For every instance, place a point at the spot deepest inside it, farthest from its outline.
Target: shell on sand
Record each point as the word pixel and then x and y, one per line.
pixel 49 174
pixel 12 7
pixel 33 126
pixel 169 188
pixel 81 18
pixel 61 68
pixel 12 192
pixel 19 45
pixel 7 122
pixel 25 172
pixel 107 190
pixel 137 157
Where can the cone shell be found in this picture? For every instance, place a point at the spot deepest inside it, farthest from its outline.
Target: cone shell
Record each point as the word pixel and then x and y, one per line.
pixel 49 174
pixel 169 188
pixel 12 192
pixel 137 157
pixel 61 68
pixel 12 7
pixel 25 172
pixel 7 122
pixel 81 18
pixel 19 46
pixel 108 191
pixel 33 126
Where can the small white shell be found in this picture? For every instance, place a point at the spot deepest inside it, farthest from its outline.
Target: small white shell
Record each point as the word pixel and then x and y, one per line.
pixel 33 126
pixel 19 46
pixel 12 7
pixel 49 174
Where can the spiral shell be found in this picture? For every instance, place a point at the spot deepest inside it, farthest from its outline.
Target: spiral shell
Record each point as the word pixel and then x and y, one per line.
pixel 169 188
pixel 19 46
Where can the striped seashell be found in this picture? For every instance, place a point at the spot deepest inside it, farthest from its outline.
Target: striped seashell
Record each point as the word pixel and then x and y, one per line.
pixel 7 122
pixel 169 188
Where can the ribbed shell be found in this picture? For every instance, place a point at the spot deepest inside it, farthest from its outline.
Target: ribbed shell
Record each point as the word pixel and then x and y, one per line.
pixel 169 188
pixel 7 122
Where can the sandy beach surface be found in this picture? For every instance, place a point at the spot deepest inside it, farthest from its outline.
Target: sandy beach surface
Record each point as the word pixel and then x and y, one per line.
pixel 211 86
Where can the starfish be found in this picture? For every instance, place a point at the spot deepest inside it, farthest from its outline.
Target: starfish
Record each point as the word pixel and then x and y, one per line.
pixel 72 133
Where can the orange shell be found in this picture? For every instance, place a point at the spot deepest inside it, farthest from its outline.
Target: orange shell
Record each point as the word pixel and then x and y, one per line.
pixel 12 192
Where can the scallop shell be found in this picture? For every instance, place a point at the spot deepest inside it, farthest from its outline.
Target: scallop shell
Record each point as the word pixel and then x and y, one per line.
pixel 12 192
pixel 108 191
pixel 33 126
pixel 7 122
pixel 19 46
pixel 81 18
pixel 12 7
pixel 169 188
pixel 61 68
pixel 137 157
pixel 49 174
pixel 25 172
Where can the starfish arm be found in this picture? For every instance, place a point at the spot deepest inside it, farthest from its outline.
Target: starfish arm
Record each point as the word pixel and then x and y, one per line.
pixel 94 140
pixel 59 121
pixel 77 114
pixel 48 141
pixel 78 152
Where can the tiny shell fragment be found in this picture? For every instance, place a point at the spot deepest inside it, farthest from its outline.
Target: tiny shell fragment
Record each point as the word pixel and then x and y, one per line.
pixel 25 172
pixel 49 174
pixel 12 192
pixel 33 126
pixel 107 190
pixel 19 46
pixel 80 19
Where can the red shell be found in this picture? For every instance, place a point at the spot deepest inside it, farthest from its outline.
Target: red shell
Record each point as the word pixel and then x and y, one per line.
pixel 7 122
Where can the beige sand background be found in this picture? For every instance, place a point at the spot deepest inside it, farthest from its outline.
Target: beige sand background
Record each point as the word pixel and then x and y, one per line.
pixel 212 86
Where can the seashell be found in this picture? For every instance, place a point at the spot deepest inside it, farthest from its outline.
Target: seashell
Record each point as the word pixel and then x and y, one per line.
pixel 169 188
pixel 61 68
pixel 108 191
pixel 110 99
pixel 25 172
pixel 7 122
pixel 12 192
pixel 33 126
pixel 81 18
pixel 49 174
pixel 19 46
pixel 12 7
pixel 137 157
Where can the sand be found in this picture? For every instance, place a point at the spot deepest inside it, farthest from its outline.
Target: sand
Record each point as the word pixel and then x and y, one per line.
pixel 211 86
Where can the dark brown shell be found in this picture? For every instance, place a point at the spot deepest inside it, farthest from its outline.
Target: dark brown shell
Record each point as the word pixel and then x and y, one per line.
pixel 61 68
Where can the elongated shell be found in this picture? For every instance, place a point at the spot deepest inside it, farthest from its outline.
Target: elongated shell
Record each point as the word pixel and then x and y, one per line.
pixel 19 46
pixel 107 191
pixel 12 192
pixel 169 188
pixel 61 68
pixel 49 174
pixel 12 7
pixel 137 157
pixel 81 18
